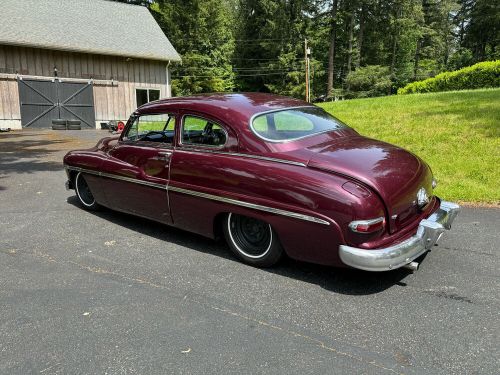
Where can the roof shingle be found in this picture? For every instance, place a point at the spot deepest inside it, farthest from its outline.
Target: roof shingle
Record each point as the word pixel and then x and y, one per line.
pixel 90 26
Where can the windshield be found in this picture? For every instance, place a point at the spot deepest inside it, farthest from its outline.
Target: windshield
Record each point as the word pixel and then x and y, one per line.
pixel 290 124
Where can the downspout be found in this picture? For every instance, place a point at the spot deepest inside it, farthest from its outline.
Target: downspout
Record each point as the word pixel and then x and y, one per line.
pixel 169 82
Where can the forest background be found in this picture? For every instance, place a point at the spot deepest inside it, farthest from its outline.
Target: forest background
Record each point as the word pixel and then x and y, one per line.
pixel 359 48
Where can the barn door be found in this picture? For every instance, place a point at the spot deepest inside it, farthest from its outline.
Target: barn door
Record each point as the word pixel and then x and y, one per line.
pixel 43 101
pixel 76 102
pixel 38 100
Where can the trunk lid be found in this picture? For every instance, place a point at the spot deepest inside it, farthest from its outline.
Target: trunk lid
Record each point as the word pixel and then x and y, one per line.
pixel 395 174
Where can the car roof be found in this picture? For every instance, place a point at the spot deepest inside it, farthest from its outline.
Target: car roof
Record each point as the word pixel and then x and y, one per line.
pixel 236 108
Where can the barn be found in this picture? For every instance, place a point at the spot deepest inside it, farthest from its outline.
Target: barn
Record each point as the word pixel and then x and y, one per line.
pixel 86 60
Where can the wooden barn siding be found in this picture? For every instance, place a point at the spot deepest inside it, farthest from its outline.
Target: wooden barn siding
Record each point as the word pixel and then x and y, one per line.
pixel 9 100
pixel 111 101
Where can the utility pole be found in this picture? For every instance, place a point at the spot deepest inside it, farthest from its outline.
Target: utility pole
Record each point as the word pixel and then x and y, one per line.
pixel 307 52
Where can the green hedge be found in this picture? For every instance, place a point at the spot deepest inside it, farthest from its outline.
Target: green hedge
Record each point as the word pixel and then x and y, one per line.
pixel 481 75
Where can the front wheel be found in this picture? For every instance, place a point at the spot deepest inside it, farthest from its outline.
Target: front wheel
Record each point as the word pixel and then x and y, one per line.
pixel 253 241
pixel 84 194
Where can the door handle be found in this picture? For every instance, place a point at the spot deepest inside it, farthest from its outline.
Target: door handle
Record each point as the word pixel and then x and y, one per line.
pixel 165 153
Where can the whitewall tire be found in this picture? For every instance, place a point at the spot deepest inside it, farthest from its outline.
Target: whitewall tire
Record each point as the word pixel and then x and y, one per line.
pixel 252 240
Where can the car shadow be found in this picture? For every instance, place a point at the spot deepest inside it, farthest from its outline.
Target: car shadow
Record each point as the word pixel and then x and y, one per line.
pixel 29 155
pixel 338 280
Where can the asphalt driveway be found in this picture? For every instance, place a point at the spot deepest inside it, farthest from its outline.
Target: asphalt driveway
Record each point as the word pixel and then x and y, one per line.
pixel 110 293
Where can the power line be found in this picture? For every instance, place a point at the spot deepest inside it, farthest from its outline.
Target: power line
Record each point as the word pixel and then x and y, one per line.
pixel 247 40
pixel 239 75
pixel 238 58
pixel 248 69
pixel 275 59
pixel 270 39
pixel 265 69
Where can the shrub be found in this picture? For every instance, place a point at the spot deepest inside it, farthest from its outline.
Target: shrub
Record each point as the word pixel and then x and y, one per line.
pixel 481 75
pixel 371 80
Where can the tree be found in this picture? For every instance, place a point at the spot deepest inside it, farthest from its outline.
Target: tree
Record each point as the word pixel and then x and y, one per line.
pixel 202 33
pixel 371 80
pixel 331 50
pixel 258 45
pixel 269 46
pixel 482 32
pixel 435 43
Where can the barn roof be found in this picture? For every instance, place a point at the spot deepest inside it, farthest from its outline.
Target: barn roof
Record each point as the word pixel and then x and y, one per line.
pixel 89 26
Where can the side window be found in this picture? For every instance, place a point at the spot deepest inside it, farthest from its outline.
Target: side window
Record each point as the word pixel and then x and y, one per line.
pixel 200 131
pixel 152 128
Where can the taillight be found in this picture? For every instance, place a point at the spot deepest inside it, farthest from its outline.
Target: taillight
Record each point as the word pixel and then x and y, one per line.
pixel 367 226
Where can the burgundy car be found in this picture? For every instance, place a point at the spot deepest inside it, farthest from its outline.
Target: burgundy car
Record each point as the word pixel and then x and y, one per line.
pixel 273 175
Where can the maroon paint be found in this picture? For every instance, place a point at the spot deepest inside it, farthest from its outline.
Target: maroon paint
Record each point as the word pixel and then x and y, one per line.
pixel 348 177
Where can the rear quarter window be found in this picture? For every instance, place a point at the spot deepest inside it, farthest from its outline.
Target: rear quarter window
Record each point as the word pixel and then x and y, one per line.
pixel 290 124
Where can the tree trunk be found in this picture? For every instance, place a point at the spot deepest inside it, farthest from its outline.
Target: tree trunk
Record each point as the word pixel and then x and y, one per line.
pixel 394 47
pixel 461 33
pixel 417 57
pixel 331 51
pixel 360 35
pixel 351 37
pixel 393 61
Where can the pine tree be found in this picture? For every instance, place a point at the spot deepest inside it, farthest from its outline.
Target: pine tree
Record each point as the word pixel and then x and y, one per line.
pixel 202 33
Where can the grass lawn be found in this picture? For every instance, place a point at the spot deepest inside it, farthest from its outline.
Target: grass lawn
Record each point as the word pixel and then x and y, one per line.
pixel 457 133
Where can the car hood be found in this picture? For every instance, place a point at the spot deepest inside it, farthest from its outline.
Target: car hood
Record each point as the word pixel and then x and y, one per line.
pixel 393 173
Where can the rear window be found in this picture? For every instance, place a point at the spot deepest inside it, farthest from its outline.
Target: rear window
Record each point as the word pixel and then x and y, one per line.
pixel 290 124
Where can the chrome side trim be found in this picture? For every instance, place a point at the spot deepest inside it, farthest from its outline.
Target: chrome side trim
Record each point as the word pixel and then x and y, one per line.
pixel 249 205
pixel 250 156
pixel 218 198
pixel 117 177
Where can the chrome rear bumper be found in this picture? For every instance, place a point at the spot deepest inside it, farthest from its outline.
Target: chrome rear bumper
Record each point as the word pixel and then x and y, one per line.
pixel 428 234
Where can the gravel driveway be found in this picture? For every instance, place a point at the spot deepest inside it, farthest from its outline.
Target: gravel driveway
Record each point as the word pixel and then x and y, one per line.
pixel 110 293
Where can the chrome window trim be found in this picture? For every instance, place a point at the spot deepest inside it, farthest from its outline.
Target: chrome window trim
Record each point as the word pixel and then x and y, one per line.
pixel 199 194
pixel 250 156
pixel 284 140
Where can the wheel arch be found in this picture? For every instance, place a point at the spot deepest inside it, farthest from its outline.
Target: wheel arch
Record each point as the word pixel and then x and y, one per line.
pixel 72 176
pixel 301 240
pixel 218 222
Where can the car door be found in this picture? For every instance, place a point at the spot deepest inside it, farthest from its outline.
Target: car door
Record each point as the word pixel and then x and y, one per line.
pixel 200 164
pixel 137 172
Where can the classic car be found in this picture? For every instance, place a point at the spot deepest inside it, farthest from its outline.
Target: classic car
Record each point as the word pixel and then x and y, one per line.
pixel 271 174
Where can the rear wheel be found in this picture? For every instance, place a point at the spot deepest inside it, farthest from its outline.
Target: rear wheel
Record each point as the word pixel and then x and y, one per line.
pixel 252 240
pixel 84 194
